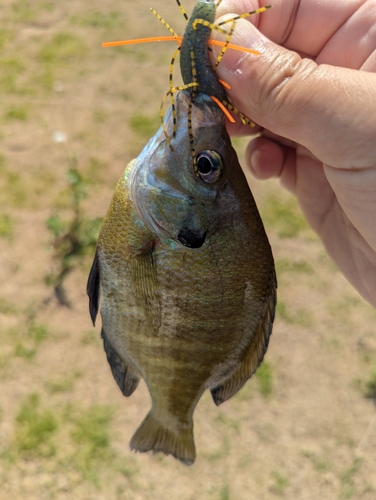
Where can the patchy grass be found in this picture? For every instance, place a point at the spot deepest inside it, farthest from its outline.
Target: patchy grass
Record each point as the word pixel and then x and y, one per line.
pixel 92 436
pixel 224 494
pixel 264 377
pixel 302 317
pixel 369 389
pixel 35 428
pixel 280 483
pixel 27 346
pixel 92 171
pixel 63 48
pixel 231 423
pixel 63 384
pixel 144 126
pixel 288 266
pixel 222 450
pixel 284 216
pixel 6 226
pixel 10 69
pixel 106 21
pixel 5 36
pixel 6 307
pixel 100 116
pixel 19 113
pixel 347 479
pixel 13 191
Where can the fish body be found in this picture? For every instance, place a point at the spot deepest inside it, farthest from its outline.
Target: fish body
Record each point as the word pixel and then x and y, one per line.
pixel 183 275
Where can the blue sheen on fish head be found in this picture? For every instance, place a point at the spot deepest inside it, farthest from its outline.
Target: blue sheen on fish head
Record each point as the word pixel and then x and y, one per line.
pixel 178 199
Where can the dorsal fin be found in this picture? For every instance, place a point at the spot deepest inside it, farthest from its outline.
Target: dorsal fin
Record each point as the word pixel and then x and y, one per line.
pixel 92 288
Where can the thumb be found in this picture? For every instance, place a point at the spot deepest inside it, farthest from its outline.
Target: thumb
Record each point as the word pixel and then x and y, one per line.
pixel 327 109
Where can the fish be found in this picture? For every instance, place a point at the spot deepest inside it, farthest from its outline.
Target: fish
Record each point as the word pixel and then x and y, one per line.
pixel 183 274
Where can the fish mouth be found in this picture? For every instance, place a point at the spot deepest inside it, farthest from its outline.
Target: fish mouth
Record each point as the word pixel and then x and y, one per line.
pixel 191 238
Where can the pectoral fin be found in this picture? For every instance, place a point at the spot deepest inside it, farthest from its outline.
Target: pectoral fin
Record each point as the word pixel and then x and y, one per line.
pixel 125 379
pixel 92 288
pixel 252 357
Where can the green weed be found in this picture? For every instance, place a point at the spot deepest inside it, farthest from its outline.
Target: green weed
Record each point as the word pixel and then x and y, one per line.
pixel 6 307
pixel 24 11
pixel 10 69
pixel 92 171
pixel 5 36
pixel 284 216
pixel 71 239
pixel 22 351
pixel 127 467
pixel 293 267
pixel 29 10
pixel 347 479
pixel 44 78
pixel 302 317
pixel 341 309
pixel 6 226
pixel 35 428
pixel 12 189
pixel 143 125
pixel 280 483
pixel 222 451
pixel 62 49
pixel 19 113
pixel 108 21
pixel 230 422
pixel 320 464
pixel 91 434
pixel 64 384
pixel 370 386
pixel 225 493
pixel 264 377
pixel 89 339
pixel 28 346
pixel 100 116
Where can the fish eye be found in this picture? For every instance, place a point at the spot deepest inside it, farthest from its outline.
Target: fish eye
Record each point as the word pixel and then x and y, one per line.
pixel 209 165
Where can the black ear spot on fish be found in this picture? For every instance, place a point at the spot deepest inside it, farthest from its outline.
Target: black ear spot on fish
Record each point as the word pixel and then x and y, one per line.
pixel 209 165
pixel 191 238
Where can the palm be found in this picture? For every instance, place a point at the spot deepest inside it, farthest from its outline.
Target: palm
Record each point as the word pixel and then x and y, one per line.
pixel 333 171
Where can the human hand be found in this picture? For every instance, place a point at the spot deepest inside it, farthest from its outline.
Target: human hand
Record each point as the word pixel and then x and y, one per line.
pixel 317 110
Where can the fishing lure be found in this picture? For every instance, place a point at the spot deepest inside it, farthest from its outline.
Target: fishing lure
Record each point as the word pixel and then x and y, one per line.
pixel 183 273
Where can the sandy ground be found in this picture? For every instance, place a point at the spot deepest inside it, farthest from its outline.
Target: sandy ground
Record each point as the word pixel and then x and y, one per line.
pixel 303 428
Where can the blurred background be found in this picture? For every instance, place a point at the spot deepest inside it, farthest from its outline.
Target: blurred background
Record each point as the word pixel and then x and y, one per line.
pixel 72 115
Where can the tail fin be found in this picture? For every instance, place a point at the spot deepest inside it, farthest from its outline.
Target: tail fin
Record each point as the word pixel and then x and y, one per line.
pixel 153 436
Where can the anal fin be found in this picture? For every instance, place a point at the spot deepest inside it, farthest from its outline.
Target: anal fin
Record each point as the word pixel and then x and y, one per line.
pixel 252 357
pixel 125 379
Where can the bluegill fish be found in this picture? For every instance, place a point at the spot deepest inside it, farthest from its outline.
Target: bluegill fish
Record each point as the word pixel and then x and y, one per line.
pixel 183 274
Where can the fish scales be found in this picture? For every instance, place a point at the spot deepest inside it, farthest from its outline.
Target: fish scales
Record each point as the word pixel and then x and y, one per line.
pixel 185 276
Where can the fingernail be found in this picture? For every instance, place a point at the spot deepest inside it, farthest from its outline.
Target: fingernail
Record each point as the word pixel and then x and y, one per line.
pixel 254 159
